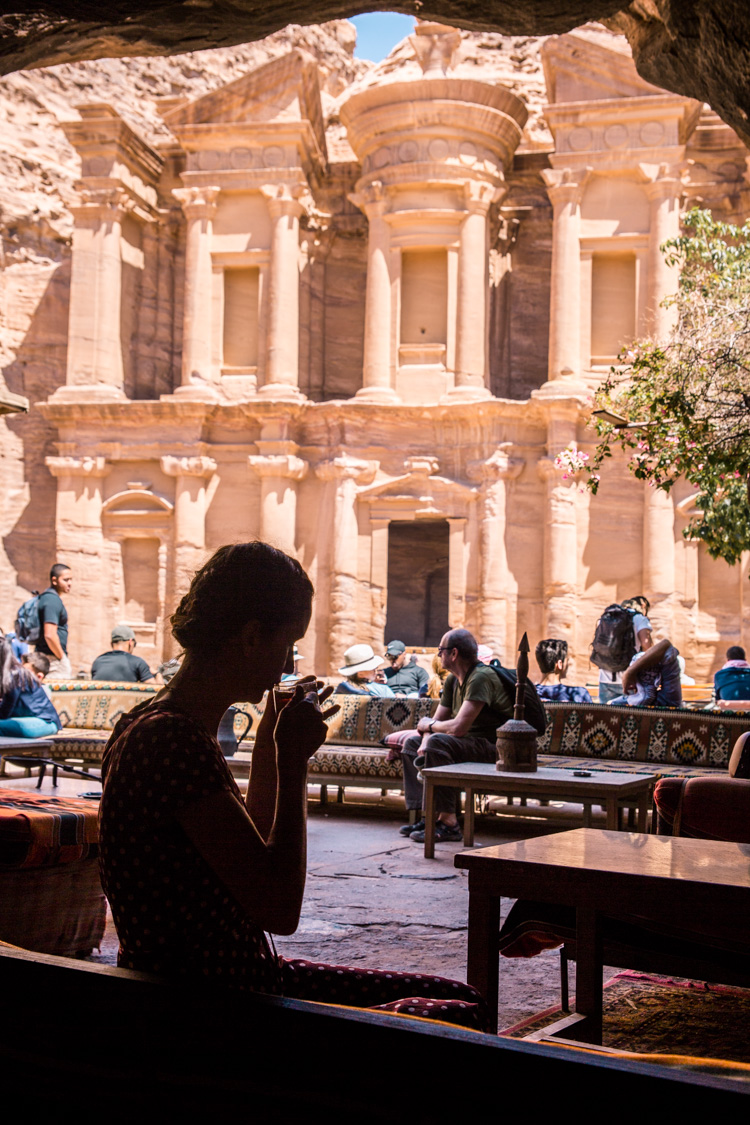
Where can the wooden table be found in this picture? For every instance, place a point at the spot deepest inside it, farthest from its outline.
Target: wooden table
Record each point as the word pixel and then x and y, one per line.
pixel 690 883
pixel 612 790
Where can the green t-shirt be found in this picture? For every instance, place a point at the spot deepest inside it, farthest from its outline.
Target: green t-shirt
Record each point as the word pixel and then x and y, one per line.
pixel 482 685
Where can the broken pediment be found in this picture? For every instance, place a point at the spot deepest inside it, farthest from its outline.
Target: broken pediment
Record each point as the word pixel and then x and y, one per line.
pixel 285 90
pixel 583 67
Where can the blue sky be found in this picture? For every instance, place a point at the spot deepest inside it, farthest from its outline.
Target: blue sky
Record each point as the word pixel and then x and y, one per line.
pixel 379 32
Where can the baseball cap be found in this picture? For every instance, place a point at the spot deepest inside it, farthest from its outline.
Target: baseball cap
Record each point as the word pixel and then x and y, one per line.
pixel 122 633
pixel 395 648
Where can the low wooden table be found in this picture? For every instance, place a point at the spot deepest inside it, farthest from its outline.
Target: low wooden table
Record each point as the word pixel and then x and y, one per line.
pixel 690 883
pixel 599 787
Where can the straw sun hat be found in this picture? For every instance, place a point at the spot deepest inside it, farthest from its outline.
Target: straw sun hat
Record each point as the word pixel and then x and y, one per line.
pixel 360 658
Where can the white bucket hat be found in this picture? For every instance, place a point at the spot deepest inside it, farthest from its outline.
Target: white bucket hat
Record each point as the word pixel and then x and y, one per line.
pixel 360 658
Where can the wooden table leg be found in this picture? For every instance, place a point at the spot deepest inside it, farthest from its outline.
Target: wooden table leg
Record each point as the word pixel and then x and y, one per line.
pixel 469 819
pixel 612 817
pixel 643 805
pixel 482 949
pixel 429 818
pixel 588 975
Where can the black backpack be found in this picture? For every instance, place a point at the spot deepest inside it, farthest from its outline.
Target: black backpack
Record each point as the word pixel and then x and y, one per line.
pixel 27 620
pixel 534 712
pixel 613 646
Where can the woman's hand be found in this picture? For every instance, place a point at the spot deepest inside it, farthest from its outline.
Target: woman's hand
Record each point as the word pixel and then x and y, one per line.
pixel 300 726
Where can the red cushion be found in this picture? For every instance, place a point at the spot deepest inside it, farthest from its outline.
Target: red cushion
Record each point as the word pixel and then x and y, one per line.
pixel 704 808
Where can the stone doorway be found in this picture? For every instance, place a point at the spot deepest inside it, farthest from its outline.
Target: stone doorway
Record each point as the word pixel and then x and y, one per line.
pixel 417 608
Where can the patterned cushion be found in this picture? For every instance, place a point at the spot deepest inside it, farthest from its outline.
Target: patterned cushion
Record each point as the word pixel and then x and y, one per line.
pixel 364 722
pixel 42 831
pixel 346 762
pixel 676 737
pixel 96 704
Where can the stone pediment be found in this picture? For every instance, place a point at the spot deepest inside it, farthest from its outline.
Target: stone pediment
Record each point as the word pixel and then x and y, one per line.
pixel 285 90
pixel 579 68
pixel 419 493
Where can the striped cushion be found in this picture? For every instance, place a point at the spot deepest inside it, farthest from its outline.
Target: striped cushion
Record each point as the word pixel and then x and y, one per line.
pixel 41 831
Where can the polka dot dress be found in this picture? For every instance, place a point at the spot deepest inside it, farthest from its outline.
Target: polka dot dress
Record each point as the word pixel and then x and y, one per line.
pixel 173 914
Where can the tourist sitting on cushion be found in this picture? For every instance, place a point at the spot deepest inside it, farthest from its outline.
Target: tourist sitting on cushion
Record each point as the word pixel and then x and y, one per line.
pixel 120 663
pixel 38 664
pixel 25 709
pixel 359 667
pixel 404 677
pixel 732 681
pixel 552 658
pixel 652 678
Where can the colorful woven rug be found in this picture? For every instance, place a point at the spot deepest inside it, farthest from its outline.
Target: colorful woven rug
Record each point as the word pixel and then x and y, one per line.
pixel 650 1014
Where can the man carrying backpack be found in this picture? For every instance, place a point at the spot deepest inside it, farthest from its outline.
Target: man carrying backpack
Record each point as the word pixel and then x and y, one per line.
pixel 620 631
pixel 53 623
pixel 474 703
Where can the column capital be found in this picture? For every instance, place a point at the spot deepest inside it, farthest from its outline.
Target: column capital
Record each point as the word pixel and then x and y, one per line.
pixel 110 202
pixel 372 199
pixel 284 199
pixel 551 472
pixel 347 468
pixel 278 465
pixel 197 202
pixel 479 196
pixel 663 180
pixel 500 466
pixel 565 185
pixel 188 466
pixel 78 466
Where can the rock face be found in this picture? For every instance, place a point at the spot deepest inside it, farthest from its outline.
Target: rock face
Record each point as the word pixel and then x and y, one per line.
pixel 699 48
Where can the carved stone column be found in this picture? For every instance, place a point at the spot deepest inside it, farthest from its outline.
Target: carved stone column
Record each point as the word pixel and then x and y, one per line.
pixel 560 565
pixel 565 294
pixel 659 576
pixel 473 293
pixel 664 206
pixel 498 588
pixel 282 354
pixel 457 571
pixel 191 477
pixel 377 383
pixel 279 470
pixel 199 205
pixel 346 473
pixel 80 543
pixel 95 365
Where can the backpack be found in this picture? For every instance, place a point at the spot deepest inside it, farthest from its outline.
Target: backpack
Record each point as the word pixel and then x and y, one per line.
pixel 27 620
pixel 613 646
pixel 534 712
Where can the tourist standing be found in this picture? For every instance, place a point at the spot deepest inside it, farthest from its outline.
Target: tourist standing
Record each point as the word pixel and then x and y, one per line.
pixel 53 622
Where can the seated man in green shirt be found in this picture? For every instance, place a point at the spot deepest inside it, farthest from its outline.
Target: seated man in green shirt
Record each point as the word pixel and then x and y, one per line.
pixel 473 705
pixel 121 664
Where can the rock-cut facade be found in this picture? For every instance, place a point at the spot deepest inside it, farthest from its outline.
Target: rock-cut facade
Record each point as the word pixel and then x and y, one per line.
pixel 365 337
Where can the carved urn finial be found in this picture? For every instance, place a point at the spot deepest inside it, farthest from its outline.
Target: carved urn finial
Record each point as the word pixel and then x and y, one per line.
pixel 435 45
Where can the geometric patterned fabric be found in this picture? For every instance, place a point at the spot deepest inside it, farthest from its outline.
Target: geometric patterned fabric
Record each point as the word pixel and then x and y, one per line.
pixel 674 738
